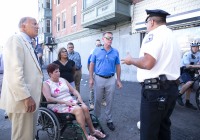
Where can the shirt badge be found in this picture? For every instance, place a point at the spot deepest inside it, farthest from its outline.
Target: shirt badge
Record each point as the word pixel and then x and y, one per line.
pixel 149 38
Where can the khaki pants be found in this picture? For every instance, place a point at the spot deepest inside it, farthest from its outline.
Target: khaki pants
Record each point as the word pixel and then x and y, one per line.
pixel 23 125
pixel 77 79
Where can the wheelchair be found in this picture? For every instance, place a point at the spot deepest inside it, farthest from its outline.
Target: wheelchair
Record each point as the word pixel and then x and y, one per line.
pixel 58 126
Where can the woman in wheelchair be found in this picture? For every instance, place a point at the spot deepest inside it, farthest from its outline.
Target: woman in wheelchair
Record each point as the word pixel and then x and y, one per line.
pixel 57 89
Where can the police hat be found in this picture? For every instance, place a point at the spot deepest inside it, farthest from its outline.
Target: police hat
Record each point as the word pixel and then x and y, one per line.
pixel 156 12
pixel 196 44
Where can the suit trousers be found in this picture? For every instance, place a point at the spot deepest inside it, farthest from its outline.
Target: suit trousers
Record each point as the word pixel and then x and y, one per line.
pixel 155 122
pixel 77 79
pixel 103 87
pixel 23 125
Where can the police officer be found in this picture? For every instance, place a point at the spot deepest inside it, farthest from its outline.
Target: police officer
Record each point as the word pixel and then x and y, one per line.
pixel 158 68
pixel 190 61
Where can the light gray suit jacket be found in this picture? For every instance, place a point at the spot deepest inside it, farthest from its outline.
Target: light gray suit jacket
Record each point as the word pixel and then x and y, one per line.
pixel 22 75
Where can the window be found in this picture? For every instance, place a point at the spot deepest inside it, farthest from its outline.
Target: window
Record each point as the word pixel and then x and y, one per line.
pixel 88 3
pixel 57 2
pixel 48 4
pixel 58 23
pixel 41 27
pixel 74 15
pixel 48 26
pixel 64 20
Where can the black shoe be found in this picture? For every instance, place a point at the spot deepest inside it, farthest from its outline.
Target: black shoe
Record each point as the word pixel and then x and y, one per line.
pixel 5 115
pixel 180 101
pixel 111 126
pixel 189 105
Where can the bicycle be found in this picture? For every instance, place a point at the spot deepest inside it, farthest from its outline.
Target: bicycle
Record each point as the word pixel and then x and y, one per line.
pixel 197 95
pixel 195 86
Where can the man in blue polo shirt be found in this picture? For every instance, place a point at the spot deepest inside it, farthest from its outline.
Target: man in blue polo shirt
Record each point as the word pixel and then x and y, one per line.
pixel 91 100
pixel 104 63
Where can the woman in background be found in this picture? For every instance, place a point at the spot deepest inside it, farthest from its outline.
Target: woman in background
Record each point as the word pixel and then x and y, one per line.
pixel 66 66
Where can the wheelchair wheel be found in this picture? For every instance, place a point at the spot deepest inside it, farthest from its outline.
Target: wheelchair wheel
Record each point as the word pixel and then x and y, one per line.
pixel 48 122
pixel 197 97
pixel 96 123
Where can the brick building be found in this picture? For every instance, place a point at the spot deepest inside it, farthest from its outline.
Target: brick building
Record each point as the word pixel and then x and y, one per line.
pixel 84 21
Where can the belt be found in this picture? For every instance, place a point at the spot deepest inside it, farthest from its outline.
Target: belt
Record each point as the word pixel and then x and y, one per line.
pixel 155 83
pixel 169 81
pixel 156 80
pixel 106 77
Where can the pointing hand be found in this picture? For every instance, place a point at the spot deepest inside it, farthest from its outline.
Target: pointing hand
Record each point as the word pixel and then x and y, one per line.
pixel 127 60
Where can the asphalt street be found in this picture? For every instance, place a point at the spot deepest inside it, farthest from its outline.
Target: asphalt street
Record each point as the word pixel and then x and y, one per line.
pixel 126 112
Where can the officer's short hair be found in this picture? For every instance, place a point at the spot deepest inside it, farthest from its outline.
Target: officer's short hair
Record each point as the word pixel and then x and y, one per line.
pixel 70 43
pixel 107 32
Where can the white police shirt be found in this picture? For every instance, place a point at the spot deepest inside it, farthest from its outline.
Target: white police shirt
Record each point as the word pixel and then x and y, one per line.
pixel 190 59
pixel 162 46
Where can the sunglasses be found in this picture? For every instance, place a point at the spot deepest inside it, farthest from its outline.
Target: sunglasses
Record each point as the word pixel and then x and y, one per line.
pixel 109 38
pixel 63 51
pixel 70 47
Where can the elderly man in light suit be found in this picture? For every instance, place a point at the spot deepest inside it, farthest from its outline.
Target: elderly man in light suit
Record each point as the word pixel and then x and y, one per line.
pixel 22 81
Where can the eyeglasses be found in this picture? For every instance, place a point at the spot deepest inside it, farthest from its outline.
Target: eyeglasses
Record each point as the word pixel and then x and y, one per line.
pixel 70 47
pixel 108 38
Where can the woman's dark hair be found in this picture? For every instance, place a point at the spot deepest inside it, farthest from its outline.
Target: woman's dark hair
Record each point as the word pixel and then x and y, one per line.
pixel 59 52
pixel 52 67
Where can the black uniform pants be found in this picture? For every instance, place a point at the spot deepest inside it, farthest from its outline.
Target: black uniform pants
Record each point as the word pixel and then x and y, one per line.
pixel 155 123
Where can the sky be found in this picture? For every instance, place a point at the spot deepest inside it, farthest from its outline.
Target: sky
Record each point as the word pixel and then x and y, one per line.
pixel 11 11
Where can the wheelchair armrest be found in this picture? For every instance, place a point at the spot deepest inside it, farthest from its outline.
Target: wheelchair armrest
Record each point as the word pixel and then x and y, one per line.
pixel 44 103
pixel 48 102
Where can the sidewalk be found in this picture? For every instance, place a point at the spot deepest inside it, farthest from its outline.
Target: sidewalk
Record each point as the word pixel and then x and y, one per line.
pixel 126 111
